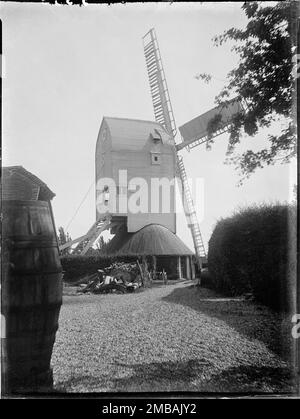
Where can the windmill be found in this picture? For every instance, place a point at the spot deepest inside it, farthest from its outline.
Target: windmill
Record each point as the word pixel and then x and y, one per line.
pixel 193 133
pixel 119 137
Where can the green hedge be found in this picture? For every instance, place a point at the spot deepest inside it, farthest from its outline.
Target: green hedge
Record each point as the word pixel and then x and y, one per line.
pixel 255 251
pixel 77 266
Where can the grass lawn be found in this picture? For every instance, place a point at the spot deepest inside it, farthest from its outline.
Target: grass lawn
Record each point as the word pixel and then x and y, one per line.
pixel 170 338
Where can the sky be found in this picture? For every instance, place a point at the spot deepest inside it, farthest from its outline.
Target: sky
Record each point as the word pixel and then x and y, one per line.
pixel 65 67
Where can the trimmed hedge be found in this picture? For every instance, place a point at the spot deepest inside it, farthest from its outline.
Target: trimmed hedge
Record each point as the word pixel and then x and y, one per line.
pixel 76 266
pixel 255 251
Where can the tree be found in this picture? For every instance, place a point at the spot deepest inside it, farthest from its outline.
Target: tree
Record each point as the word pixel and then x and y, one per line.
pixel 63 238
pixel 102 246
pixel 264 80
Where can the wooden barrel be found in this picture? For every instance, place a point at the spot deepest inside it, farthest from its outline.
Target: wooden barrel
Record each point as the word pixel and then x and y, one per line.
pixel 31 295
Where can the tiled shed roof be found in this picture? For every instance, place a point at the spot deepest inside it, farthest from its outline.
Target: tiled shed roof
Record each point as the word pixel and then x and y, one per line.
pixel 45 192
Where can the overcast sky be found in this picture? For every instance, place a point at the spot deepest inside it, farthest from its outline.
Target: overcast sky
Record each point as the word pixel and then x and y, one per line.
pixel 68 66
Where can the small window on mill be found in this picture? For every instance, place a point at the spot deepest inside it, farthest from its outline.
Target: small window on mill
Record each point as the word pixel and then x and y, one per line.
pixel 155 136
pixel 106 195
pixel 155 158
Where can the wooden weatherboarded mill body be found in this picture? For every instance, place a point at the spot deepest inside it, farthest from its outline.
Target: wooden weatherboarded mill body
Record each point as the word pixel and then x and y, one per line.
pixel 138 157
pixel 128 149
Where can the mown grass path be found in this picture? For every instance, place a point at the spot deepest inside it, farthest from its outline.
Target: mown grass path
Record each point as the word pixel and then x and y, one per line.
pixel 169 338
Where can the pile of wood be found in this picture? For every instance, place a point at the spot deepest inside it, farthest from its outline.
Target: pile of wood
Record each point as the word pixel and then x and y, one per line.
pixel 119 278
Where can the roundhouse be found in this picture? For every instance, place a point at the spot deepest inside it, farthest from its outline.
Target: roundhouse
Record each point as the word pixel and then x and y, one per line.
pixel 162 248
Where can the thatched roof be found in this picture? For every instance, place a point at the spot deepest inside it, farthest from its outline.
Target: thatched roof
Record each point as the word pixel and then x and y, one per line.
pixel 153 239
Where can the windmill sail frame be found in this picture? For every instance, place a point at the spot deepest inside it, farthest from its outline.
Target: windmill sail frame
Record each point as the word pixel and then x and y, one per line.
pixel 196 131
pixel 163 113
pixel 162 106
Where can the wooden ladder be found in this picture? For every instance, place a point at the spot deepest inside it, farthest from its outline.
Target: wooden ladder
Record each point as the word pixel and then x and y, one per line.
pixel 190 212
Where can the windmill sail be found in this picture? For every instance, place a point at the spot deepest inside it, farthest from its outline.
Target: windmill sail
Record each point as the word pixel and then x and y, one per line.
pixel 196 132
pixel 164 115
pixel 158 85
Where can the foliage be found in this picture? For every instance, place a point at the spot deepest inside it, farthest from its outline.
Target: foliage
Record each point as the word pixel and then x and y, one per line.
pixel 255 251
pixel 203 76
pixel 63 238
pixel 102 246
pixel 264 81
pixel 75 266
pixel 212 126
pixel 120 268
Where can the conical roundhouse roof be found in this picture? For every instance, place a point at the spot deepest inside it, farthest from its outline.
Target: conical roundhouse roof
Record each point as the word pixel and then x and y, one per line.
pixel 153 239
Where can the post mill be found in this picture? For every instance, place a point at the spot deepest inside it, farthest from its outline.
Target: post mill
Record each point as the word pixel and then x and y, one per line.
pixel 147 150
